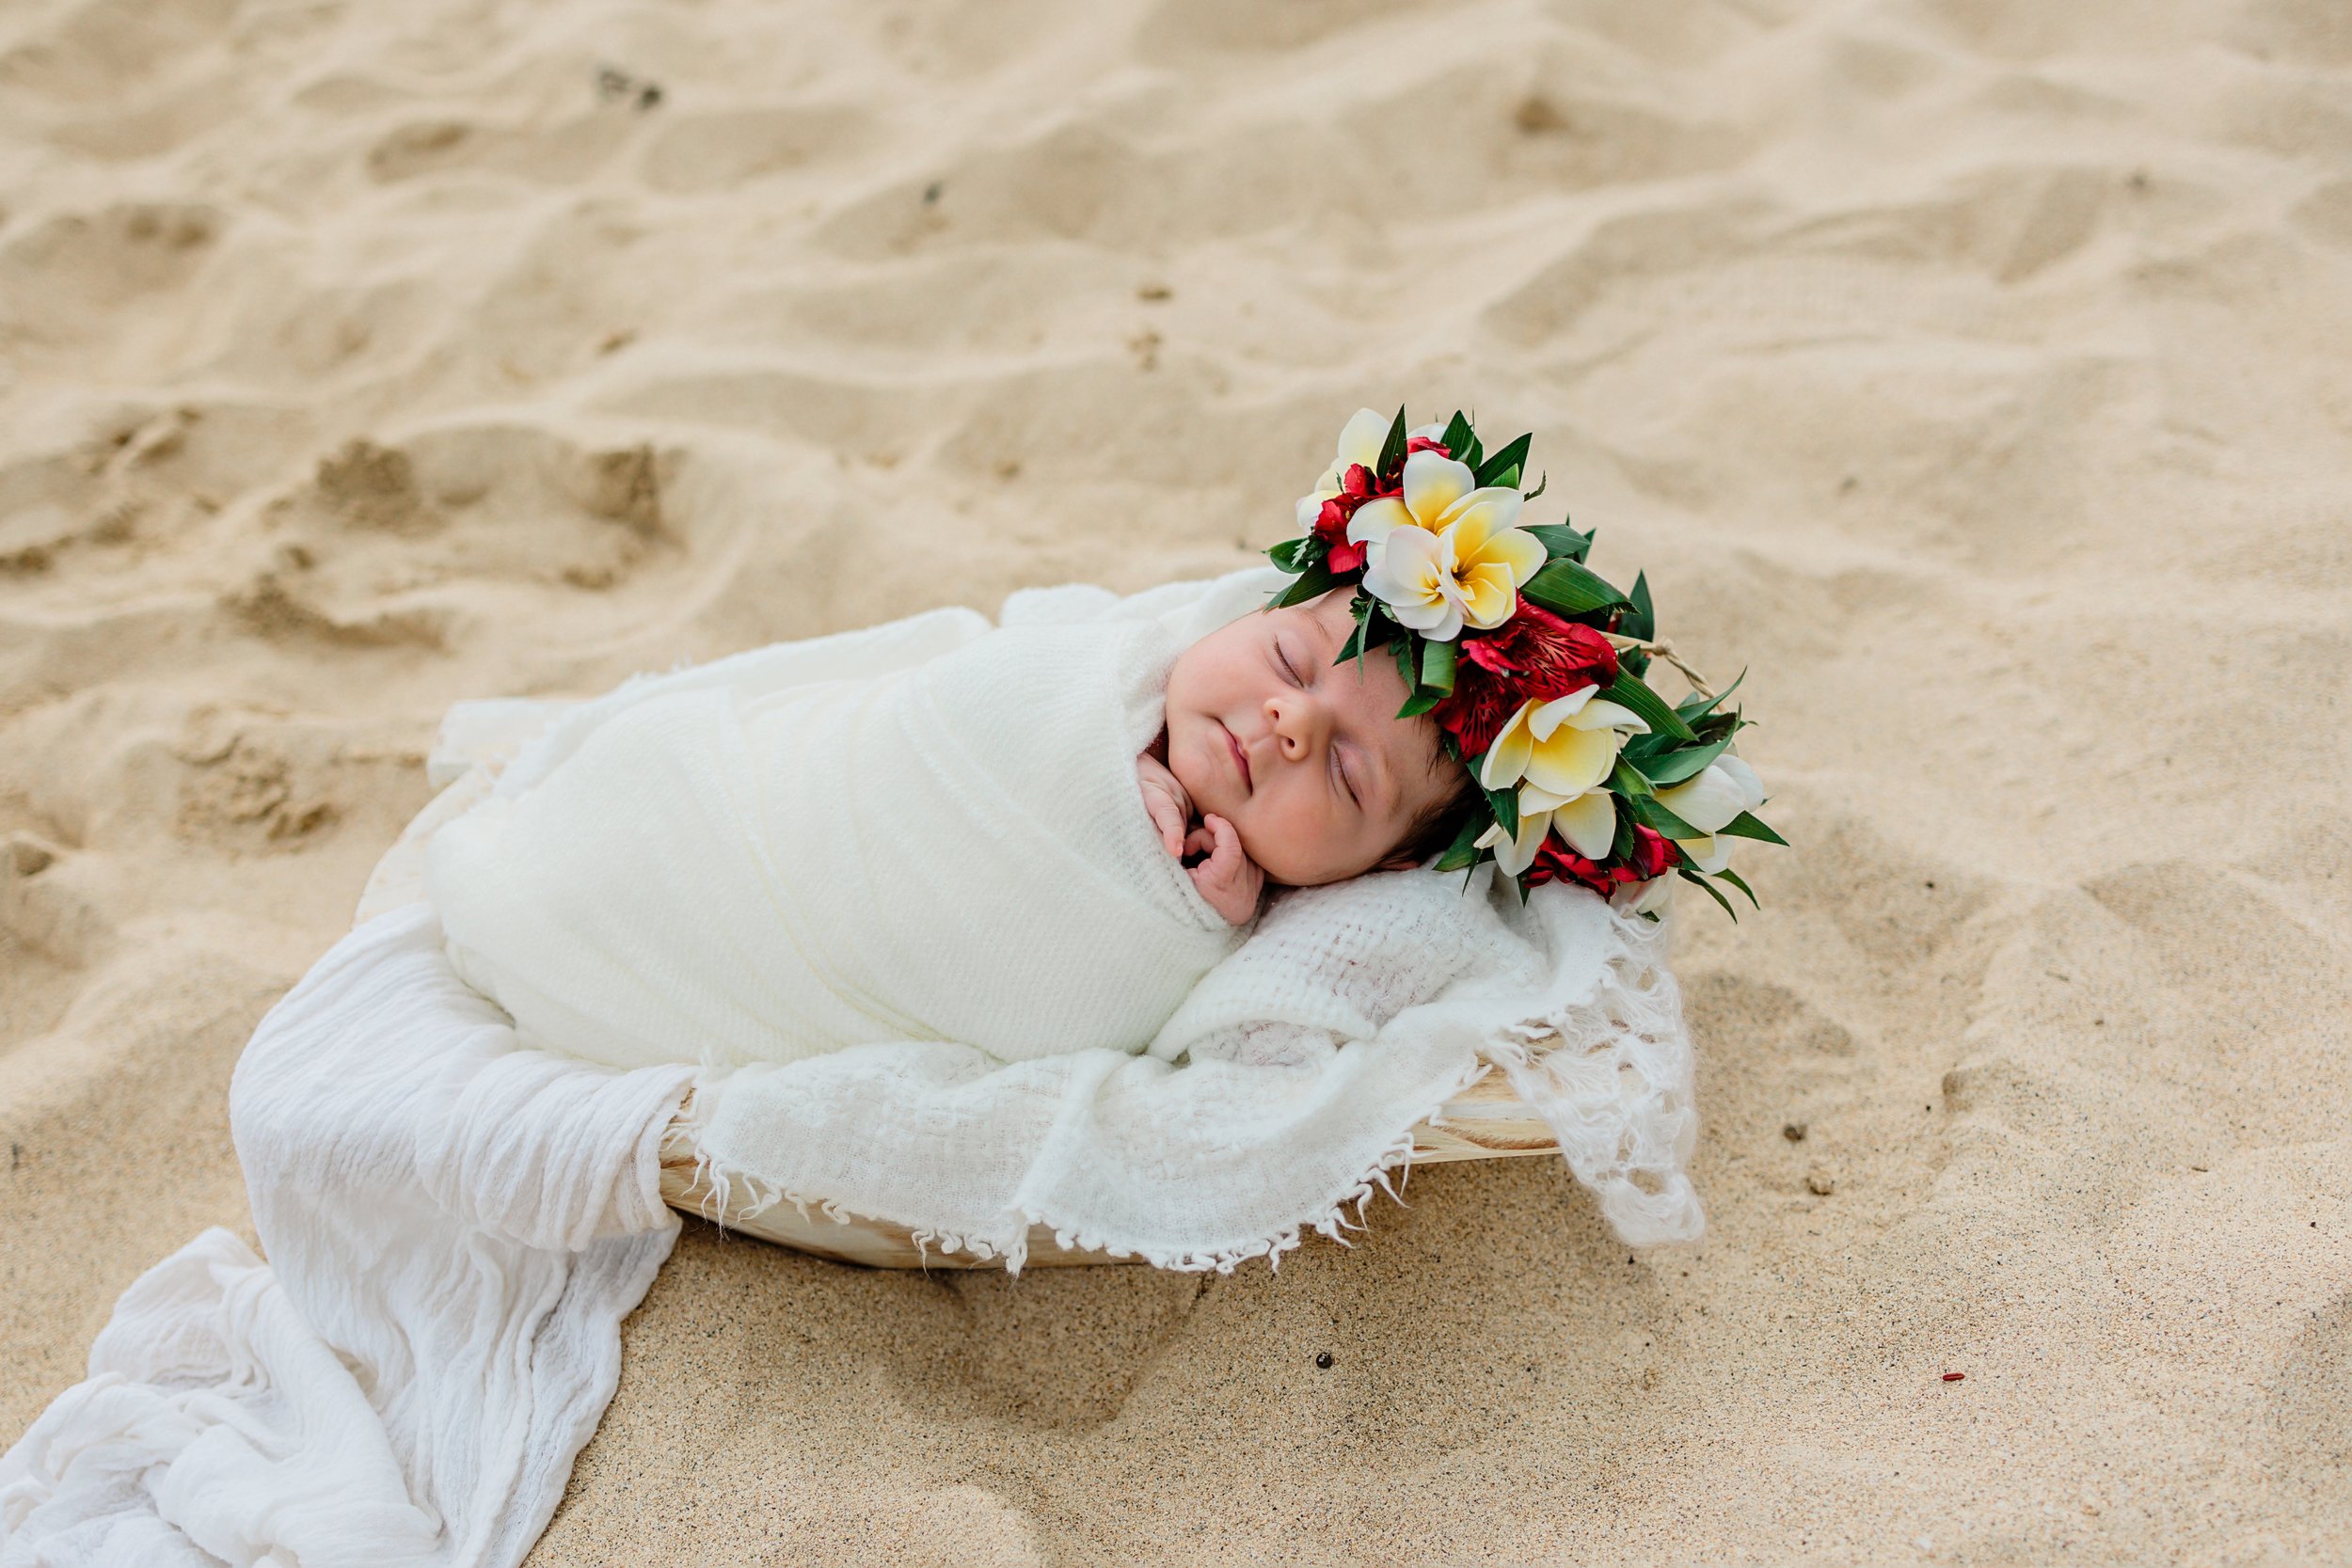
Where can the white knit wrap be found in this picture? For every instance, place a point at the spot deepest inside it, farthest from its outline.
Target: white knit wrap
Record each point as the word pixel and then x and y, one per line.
pixel 928 830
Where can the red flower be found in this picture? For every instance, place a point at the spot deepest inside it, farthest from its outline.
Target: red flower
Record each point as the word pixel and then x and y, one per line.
pixel 1535 655
pixel 1357 486
pixel 1556 862
pixel 1653 855
pixel 1422 443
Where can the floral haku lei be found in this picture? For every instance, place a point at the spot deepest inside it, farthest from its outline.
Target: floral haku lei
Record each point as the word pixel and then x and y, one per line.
pixel 1532 666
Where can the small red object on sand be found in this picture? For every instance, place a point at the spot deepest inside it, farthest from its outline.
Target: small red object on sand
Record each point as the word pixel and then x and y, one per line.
pixel 1954 1377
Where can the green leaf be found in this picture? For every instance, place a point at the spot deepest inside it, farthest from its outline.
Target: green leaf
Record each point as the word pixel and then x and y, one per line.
pixel 1405 670
pixel 1568 587
pixel 1459 436
pixel 1674 767
pixel 1690 876
pixel 1296 555
pixel 1561 542
pixel 1628 780
pixel 1746 826
pixel 1626 691
pixel 1643 621
pixel 1316 579
pixel 1540 486
pixel 1656 818
pixel 1695 708
pixel 1436 667
pixel 1464 850
pixel 1393 450
pixel 1507 462
pixel 1728 875
pixel 1420 702
pixel 1504 803
pixel 1621 841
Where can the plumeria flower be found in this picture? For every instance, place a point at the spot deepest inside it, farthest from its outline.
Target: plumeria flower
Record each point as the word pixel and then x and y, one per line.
pixel 1644 898
pixel 1721 791
pixel 1587 822
pixel 1558 753
pixel 1446 554
pixel 1360 440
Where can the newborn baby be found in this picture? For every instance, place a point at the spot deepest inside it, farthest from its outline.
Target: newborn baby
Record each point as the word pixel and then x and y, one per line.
pixel 931 829
pixel 1298 770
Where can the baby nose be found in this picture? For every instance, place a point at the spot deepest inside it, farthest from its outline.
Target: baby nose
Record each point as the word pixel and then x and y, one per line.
pixel 1294 722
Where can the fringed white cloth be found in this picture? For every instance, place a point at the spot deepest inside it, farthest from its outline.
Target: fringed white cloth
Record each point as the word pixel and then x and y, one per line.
pixel 1352 1013
pixel 455 1227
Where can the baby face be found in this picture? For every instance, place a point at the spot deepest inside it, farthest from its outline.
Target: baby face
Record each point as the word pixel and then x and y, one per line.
pixel 1307 759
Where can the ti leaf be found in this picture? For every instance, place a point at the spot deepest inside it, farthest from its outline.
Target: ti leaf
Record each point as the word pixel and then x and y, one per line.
pixel 1393 450
pixel 1642 621
pixel 1695 708
pixel 1457 436
pixel 1508 460
pixel 1628 780
pixel 1541 484
pixel 1568 587
pixel 1420 702
pixel 1436 667
pixel 1728 875
pixel 1316 579
pixel 1628 691
pixel 1505 805
pixel 1674 767
pixel 1559 541
pixel 1296 555
pixel 1464 850
pixel 1655 816
pixel 1690 876
pixel 1746 826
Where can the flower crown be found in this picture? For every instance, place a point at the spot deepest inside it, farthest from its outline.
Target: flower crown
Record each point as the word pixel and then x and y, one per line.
pixel 1532 666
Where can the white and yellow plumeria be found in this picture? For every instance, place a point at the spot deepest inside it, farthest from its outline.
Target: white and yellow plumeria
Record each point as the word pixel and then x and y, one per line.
pixel 1360 440
pixel 1446 554
pixel 1559 754
pixel 1719 792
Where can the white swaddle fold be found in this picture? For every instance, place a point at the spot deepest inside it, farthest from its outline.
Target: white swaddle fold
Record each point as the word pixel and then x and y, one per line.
pixel 927 831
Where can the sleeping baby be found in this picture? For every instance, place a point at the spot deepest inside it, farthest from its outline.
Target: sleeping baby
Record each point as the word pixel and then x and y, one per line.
pixel 1295 769
pixel 1032 838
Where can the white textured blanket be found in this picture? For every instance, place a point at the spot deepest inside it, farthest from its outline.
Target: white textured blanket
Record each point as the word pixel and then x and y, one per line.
pixel 456 1223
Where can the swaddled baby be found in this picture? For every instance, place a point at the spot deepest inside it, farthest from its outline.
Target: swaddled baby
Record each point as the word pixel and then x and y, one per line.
pixel 1031 838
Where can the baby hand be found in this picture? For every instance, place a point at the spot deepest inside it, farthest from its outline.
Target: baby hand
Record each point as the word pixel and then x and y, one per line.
pixel 1229 879
pixel 1166 799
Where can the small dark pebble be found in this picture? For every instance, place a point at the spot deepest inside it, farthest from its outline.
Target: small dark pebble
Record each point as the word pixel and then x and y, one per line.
pixel 1323 1360
pixel 1794 1132
pixel 649 97
pixel 931 193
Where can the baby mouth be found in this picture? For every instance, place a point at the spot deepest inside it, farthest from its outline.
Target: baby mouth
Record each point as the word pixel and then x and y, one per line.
pixel 1241 758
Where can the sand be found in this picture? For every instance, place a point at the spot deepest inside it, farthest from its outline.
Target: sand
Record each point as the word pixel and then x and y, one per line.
pixel 1974 370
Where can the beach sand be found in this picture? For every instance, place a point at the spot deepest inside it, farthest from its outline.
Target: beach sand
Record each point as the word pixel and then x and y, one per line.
pixel 1972 371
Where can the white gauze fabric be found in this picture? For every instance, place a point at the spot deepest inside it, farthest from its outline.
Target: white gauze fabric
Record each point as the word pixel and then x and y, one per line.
pixel 928 830
pixel 455 1227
